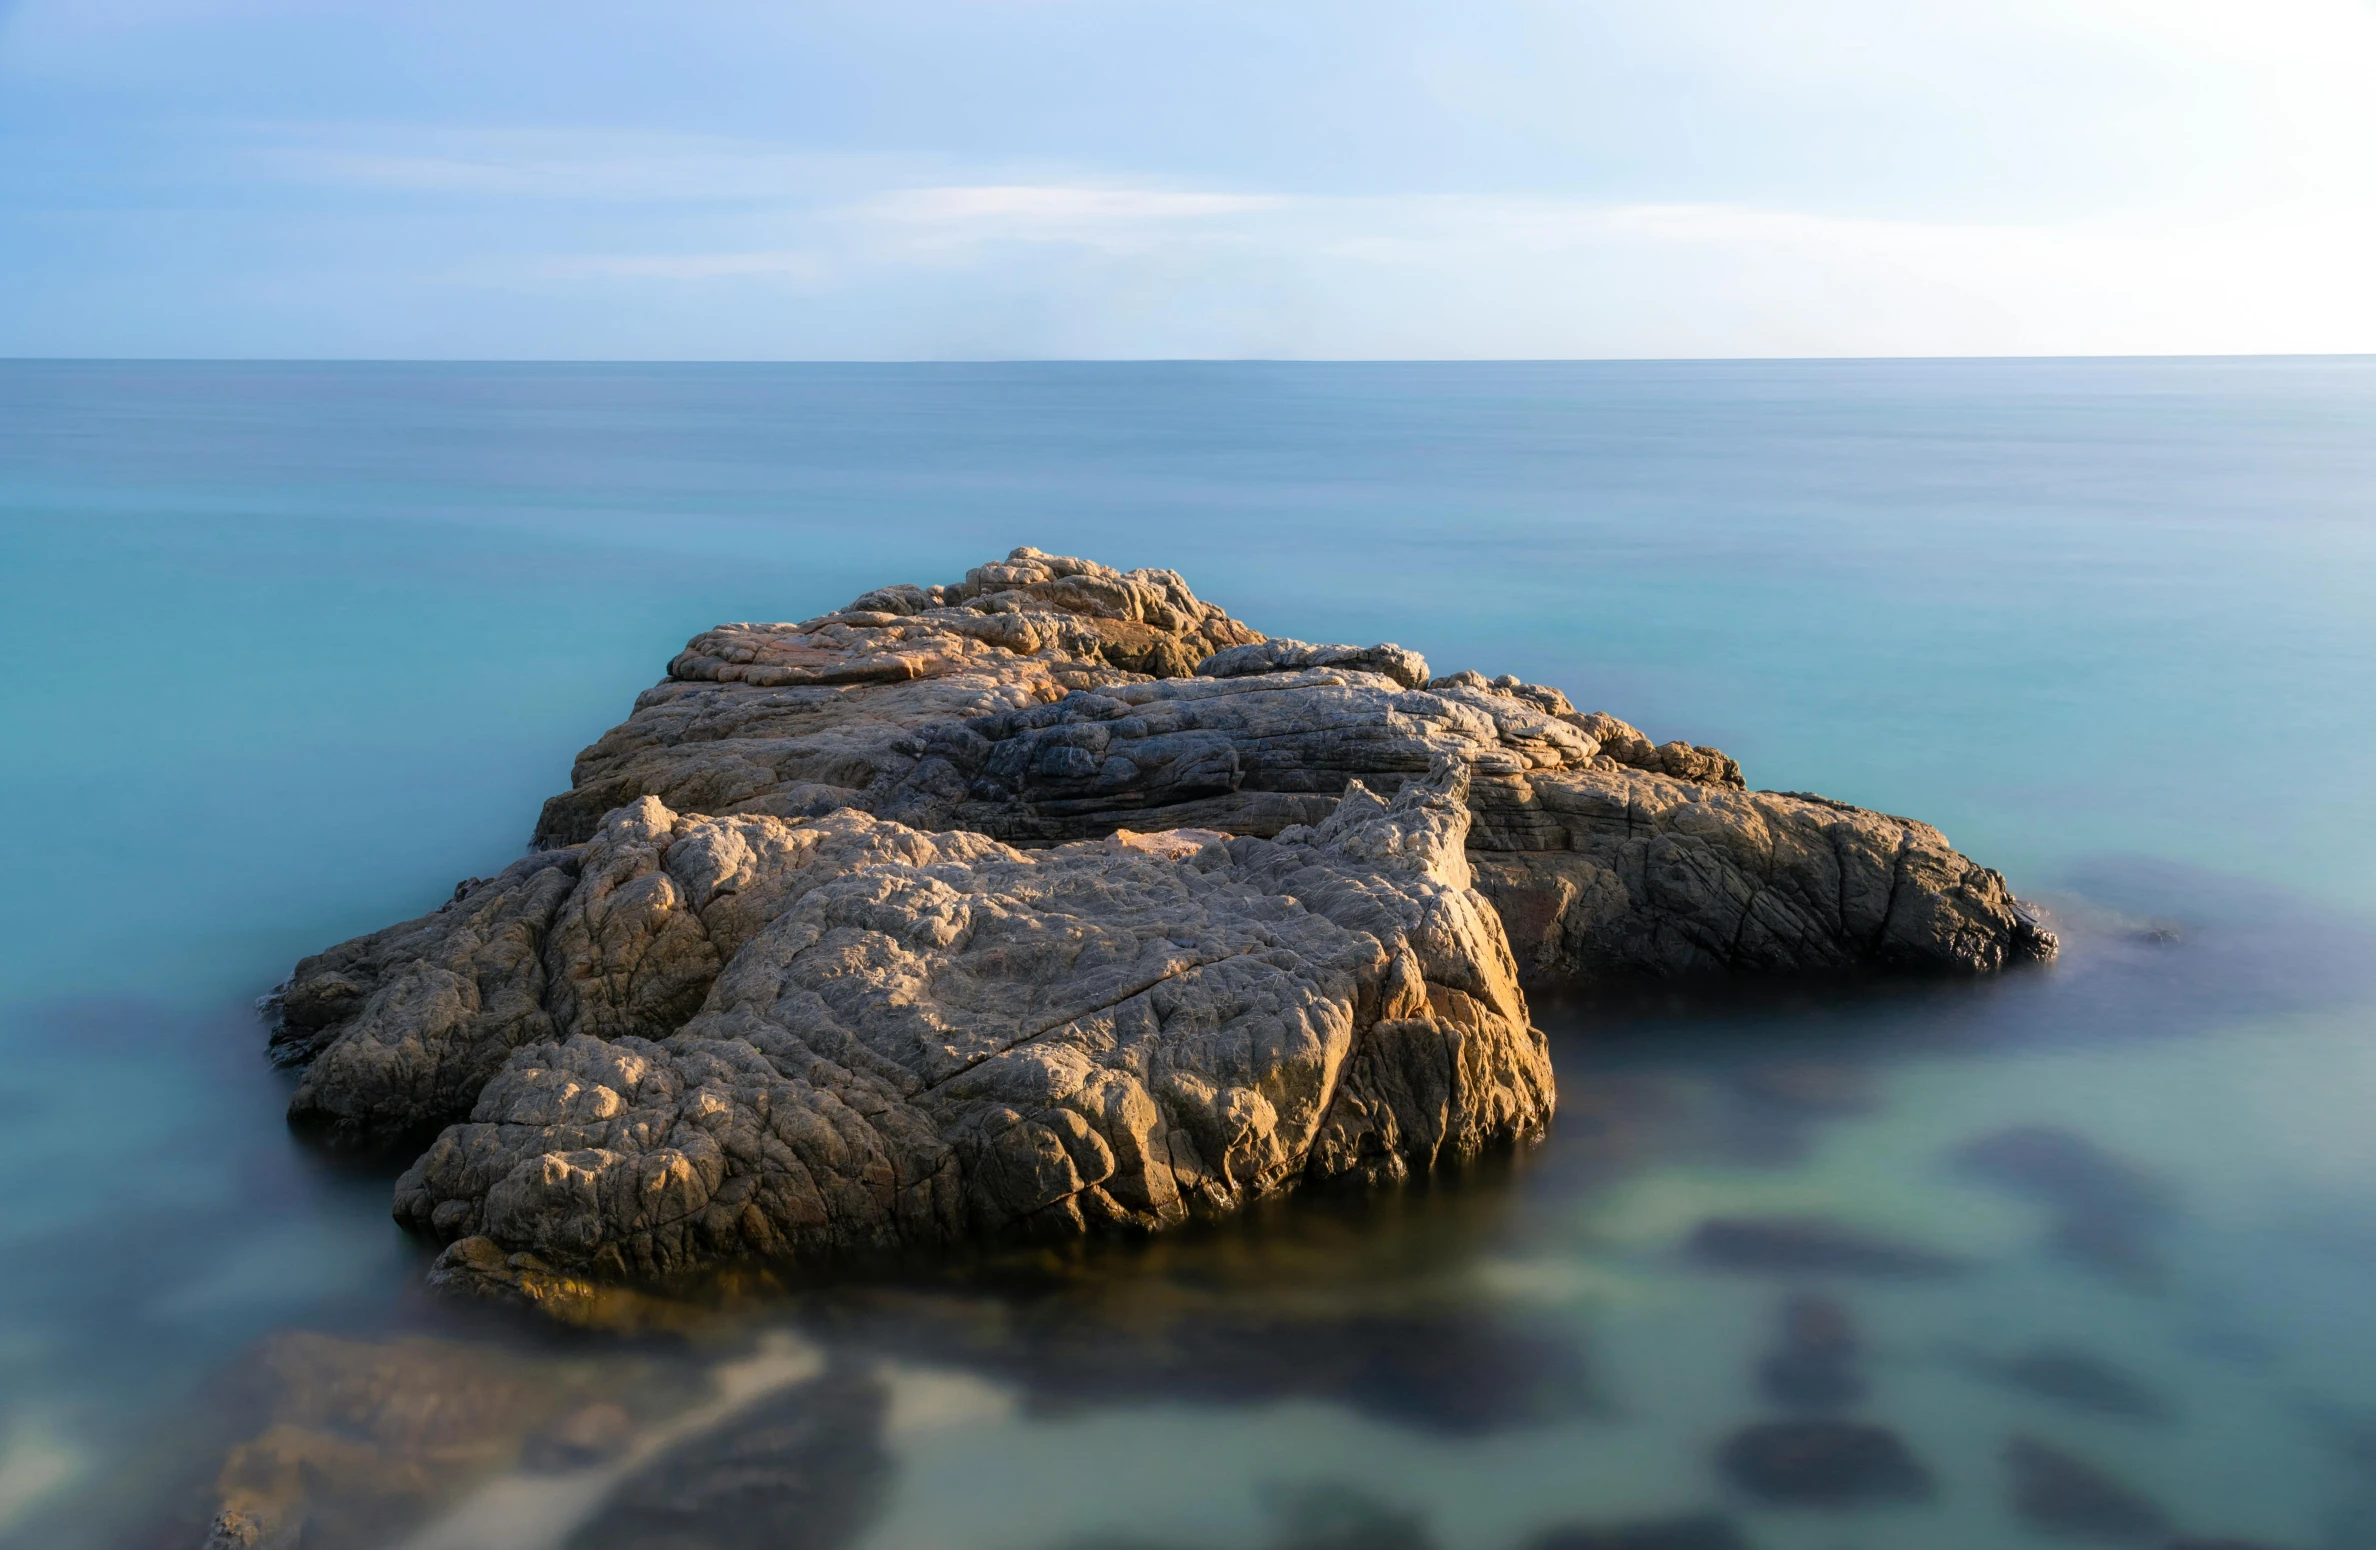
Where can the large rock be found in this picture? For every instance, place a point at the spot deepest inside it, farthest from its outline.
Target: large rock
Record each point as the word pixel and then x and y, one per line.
pixel 779 979
pixel 777 1036
pixel 1047 699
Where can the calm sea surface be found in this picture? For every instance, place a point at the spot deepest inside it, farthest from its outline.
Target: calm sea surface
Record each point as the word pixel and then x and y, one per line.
pixel 288 649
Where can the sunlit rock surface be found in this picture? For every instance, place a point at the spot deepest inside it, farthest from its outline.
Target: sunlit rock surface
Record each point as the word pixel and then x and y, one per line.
pixel 1052 900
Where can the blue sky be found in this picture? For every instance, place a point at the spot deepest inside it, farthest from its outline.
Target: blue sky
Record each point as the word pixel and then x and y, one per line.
pixel 1033 178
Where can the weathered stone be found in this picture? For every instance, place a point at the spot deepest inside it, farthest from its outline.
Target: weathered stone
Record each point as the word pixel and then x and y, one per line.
pixel 916 1037
pixel 1043 700
pixel 1822 1464
pixel 779 983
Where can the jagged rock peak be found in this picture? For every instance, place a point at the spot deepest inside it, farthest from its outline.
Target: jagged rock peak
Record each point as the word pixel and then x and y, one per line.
pixel 1030 604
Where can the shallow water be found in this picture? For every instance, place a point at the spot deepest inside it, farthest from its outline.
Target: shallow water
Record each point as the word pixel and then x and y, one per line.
pixel 294 647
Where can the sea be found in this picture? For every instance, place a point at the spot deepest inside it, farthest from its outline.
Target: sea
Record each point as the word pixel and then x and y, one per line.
pixel 2083 1254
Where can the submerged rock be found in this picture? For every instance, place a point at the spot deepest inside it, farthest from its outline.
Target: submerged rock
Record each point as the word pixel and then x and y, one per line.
pixel 2062 1493
pixel 1312 1515
pixel 1701 1531
pixel 348 1443
pixel 2078 1381
pixel 2108 1211
pixel 802 1470
pixel 1813 1363
pixel 1822 1464
pixel 1811 1246
pixel 781 983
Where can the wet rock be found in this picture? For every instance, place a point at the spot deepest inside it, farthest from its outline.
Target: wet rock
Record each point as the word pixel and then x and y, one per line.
pixel 589 1435
pixel 1813 1363
pixel 1811 1246
pixel 2078 1381
pixel 2062 1493
pixel 1822 1464
pixel 802 1470
pixel 2107 1210
pixel 1701 1531
pixel 479 1269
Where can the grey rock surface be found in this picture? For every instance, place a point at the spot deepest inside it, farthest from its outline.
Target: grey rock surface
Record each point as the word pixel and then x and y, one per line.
pixel 780 979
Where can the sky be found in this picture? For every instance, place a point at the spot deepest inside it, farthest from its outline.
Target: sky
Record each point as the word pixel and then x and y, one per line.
pixel 961 179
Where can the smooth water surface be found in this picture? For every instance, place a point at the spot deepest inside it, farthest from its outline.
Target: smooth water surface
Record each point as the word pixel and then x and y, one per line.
pixel 291 648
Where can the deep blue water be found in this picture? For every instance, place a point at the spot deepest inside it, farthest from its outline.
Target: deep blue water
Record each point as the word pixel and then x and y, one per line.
pixel 290 648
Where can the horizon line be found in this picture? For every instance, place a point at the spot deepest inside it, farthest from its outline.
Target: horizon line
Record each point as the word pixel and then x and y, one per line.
pixel 1164 360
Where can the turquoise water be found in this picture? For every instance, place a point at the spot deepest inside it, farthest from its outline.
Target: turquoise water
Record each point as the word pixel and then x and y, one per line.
pixel 290 648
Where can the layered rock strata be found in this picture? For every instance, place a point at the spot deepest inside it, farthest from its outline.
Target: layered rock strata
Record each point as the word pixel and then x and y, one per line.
pixel 1051 899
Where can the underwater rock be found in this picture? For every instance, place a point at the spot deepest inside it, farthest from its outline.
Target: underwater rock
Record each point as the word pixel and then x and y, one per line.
pixel 1822 1464
pixel 350 1442
pixel 2062 1493
pixel 1313 1515
pixel 1701 1531
pixel 780 985
pixel 2107 1210
pixel 802 1470
pixel 2078 1381
pixel 1811 1246
pixel 1453 1373
pixel 1813 1363
pixel 1812 1089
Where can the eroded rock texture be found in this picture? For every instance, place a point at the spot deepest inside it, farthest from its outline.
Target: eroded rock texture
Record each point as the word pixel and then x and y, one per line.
pixel 767 1036
pixel 1047 699
pixel 781 980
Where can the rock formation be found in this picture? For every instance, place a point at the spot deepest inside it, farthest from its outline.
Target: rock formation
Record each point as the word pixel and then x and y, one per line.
pixel 1053 899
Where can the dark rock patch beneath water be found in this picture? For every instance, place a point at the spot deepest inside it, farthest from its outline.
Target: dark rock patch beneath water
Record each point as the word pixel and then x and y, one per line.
pixel 1312 1515
pixel 1822 1464
pixel 1811 1246
pixel 1700 1531
pixel 1812 1365
pixel 2107 1210
pixel 2078 1381
pixel 2061 1493
pixel 804 1470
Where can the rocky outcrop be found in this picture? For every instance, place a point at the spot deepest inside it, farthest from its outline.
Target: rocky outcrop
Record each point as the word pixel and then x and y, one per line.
pixel 1047 699
pixel 760 1036
pixel 1053 899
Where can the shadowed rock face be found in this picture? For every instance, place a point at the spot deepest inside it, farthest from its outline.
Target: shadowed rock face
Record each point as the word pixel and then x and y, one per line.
pixel 780 980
